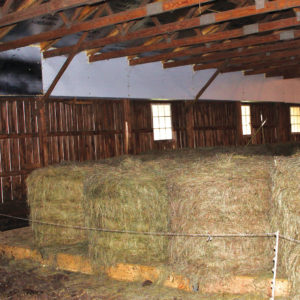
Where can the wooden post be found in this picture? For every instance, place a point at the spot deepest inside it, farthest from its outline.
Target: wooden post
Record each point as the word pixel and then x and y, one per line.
pixel 43 133
pixel 42 102
pixel 127 127
pixel 239 130
pixel 189 117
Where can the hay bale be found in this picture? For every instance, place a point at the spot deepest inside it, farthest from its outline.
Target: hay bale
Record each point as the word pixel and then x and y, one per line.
pixel 286 215
pixel 132 196
pixel 224 193
pixel 55 195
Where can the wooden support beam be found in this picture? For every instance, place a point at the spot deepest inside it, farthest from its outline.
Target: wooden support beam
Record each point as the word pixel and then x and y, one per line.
pixel 273 68
pixel 50 7
pixel 80 14
pixel 208 83
pixel 235 53
pixel 121 17
pixel 293 69
pixel 41 104
pixel 252 59
pixel 259 64
pixel 5 30
pixel 182 25
pixel 219 36
pixel 6 7
pixel 232 44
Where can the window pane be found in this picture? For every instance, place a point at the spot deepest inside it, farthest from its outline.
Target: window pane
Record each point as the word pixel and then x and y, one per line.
pixel 154 110
pixel 246 119
pixel 155 122
pixel 162 122
pixel 161 110
pixel 295 119
pixel 168 122
pixel 167 110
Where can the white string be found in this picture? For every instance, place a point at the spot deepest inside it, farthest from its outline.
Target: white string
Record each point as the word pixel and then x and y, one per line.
pixel 204 235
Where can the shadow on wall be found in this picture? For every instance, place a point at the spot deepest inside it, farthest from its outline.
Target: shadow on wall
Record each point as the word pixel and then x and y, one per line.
pixel 19 76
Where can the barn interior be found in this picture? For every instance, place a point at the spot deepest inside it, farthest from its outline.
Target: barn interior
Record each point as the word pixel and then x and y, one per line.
pixel 155 142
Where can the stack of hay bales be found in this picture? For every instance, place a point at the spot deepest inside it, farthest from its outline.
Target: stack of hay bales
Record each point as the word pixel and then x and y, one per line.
pixel 223 193
pixel 286 215
pixel 130 197
pixel 55 195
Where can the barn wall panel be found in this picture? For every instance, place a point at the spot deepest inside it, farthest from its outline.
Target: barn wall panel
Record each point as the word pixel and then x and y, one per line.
pixel 93 129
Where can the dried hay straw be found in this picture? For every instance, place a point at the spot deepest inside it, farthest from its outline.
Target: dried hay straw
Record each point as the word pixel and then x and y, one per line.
pixel 224 193
pixel 131 196
pixel 55 195
pixel 286 215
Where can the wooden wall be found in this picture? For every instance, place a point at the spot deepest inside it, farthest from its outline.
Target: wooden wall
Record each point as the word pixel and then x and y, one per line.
pixel 33 135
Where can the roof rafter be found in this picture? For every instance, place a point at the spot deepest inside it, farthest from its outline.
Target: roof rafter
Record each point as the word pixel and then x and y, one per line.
pixel 47 8
pixel 235 53
pixel 207 19
pixel 265 57
pixel 121 17
pixel 272 68
pixel 219 36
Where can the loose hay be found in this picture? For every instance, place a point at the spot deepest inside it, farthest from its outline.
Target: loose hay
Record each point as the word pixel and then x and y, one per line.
pixel 286 215
pixel 226 193
pixel 55 196
pixel 132 197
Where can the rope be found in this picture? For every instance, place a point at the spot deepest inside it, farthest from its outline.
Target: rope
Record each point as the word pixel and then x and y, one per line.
pixel 204 235
pixel 289 239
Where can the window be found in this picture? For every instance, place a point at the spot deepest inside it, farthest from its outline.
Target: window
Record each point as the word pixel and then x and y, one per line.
pixel 295 118
pixel 246 120
pixel 162 124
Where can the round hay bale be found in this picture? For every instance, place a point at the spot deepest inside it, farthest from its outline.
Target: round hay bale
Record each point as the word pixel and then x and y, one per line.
pixel 55 195
pixel 224 193
pixel 131 197
pixel 286 216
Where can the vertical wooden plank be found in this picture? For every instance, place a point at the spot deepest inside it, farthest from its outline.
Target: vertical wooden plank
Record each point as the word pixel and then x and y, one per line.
pixel 127 126
pixel 189 117
pixel 238 124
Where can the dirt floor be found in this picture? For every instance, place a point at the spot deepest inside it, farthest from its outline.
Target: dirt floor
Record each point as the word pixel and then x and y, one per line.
pixel 27 280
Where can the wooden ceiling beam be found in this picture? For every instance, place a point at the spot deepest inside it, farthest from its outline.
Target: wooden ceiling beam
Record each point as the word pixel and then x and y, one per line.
pixel 80 14
pixel 272 68
pixel 6 7
pixel 232 44
pixel 257 65
pixel 24 5
pixel 284 73
pixel 235 53
pixel 47 8
pixel 219 36
pixel 292 75
pixel 253 59
pixel 191 23
pixel 121 17
pixel 109 39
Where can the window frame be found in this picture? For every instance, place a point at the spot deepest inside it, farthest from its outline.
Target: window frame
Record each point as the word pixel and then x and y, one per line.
pixel 163 116
pixel 297 107
pixel 243 125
